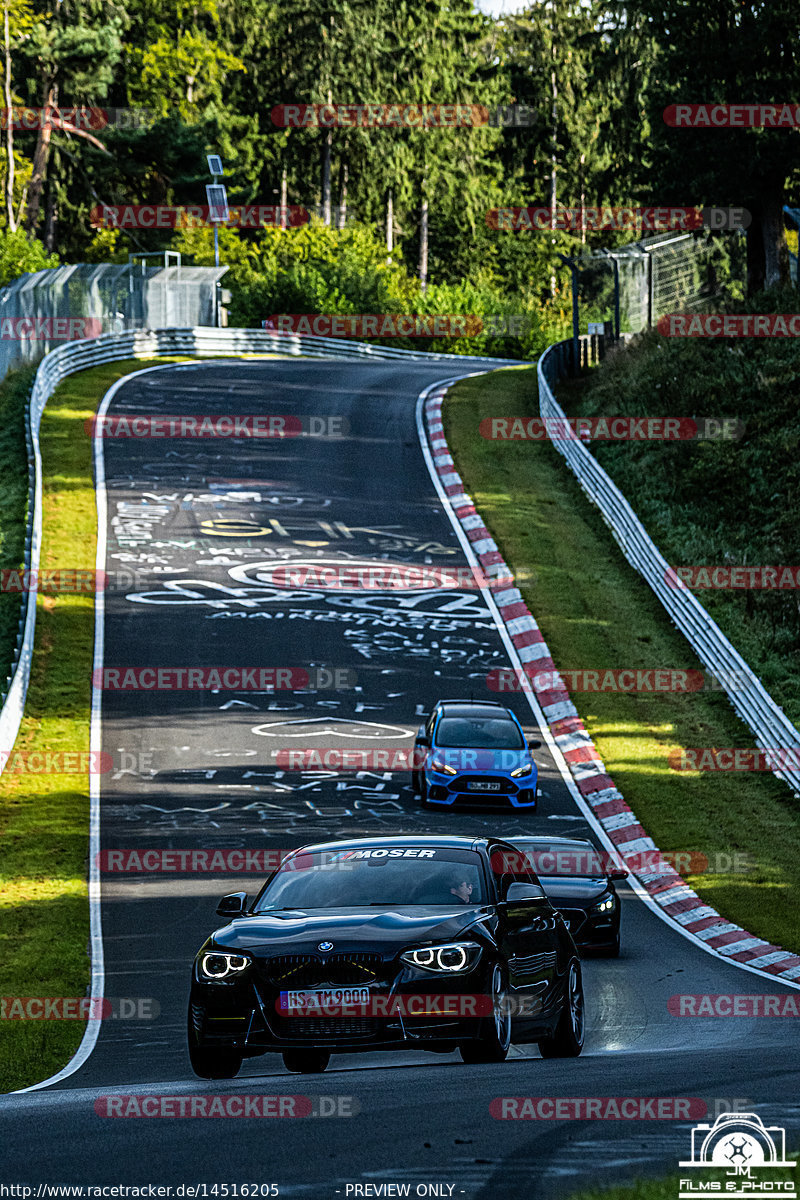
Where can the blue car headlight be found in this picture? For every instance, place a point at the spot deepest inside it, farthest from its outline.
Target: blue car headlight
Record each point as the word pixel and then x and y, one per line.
pixel 451 959
pixel 523 770
pixel 443 768
pixel 216 965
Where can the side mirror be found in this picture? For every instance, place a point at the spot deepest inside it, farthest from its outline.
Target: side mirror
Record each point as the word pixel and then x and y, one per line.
pixel 232 905
pixel 524 891
pixel 535 744
pixel 617 873
pixel 422 736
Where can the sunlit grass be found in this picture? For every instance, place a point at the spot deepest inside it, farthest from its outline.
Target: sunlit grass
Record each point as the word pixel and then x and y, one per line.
pixel 44 819
pixel 596 612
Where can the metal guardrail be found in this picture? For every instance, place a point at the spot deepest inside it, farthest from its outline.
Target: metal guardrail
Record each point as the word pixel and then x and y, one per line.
pixel 111 347
pixel 771 728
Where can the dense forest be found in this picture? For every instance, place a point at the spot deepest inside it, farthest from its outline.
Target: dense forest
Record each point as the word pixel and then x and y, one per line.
pixel 112 105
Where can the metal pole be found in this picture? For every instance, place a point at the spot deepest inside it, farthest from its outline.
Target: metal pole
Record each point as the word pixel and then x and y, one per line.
pixel 575 325
pixel 615 261
pixel 216 244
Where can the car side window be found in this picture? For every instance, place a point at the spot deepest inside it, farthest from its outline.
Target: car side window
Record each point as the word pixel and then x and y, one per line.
pixel 430 724
pixel 514 866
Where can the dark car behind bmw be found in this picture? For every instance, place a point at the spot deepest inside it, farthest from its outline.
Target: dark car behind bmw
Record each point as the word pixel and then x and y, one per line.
pixel 387 943
pixel 579 880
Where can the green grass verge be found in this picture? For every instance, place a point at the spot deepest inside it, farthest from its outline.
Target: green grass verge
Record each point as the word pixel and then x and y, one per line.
pixel 44 911
pixel 595 611
pixel 668 1188
pixel 718 502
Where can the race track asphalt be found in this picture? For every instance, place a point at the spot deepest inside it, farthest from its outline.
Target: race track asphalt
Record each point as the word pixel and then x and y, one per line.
pixel 202 522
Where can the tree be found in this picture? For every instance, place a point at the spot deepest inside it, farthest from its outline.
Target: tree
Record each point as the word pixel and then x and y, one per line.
pixel 726 53
pixel 73 52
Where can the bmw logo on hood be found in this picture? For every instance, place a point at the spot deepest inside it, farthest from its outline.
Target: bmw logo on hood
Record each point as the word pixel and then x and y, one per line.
pixel 325 947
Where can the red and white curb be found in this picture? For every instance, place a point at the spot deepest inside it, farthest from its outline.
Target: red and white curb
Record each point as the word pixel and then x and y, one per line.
pixel 663 884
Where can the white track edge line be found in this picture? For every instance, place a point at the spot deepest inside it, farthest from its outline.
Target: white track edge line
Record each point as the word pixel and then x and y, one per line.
pixel 92 1030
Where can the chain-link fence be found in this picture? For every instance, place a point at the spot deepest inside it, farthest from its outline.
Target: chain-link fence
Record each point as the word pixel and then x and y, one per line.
pixel 41 311
pixel 666 273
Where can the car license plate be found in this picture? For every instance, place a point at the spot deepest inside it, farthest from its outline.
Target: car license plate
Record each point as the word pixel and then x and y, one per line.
pixel 479 786
pixel 317 1000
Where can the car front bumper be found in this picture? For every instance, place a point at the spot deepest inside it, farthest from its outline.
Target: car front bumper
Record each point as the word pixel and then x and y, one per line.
pixel 492 791
pixel 424 1012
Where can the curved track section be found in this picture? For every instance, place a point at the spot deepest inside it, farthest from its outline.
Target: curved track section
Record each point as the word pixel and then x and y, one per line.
pixel 204 523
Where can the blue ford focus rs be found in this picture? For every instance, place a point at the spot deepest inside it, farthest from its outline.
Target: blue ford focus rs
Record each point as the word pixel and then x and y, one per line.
pixel 473 753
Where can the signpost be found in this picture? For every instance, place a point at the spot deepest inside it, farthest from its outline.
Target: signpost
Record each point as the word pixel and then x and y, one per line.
pixel 217 200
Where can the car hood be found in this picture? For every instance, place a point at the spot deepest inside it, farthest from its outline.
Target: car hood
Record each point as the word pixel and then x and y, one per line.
pixel 573 891
pixel 384 930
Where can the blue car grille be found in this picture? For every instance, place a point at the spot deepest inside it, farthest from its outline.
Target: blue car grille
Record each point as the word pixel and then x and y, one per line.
pixel 503 787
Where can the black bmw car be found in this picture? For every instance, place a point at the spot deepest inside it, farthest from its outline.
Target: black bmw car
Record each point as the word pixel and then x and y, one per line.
pixel 440 943
pixel 578 880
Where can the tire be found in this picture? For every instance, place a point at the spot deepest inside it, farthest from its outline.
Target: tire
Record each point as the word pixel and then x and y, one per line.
pixel 306 1062
pixel 613 949
pixel 415 783
pixel 567 1041
pixel 493 1045
pixel 214 1062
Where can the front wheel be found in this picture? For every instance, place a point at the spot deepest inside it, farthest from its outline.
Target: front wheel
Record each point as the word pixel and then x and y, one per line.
pixel 567 1041
pixel 613 949
pixel 493 1045
pixel 306 1062
pixel 423 792
pixel 213 1062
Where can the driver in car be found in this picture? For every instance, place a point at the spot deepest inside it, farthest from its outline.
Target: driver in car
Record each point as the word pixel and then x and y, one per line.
pixel 461 888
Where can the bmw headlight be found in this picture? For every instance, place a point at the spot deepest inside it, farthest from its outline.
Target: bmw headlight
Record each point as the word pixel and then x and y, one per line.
pixel 443 768
pixel 526 770
pixel 605 905
pixel 446 960
pixel 222 966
